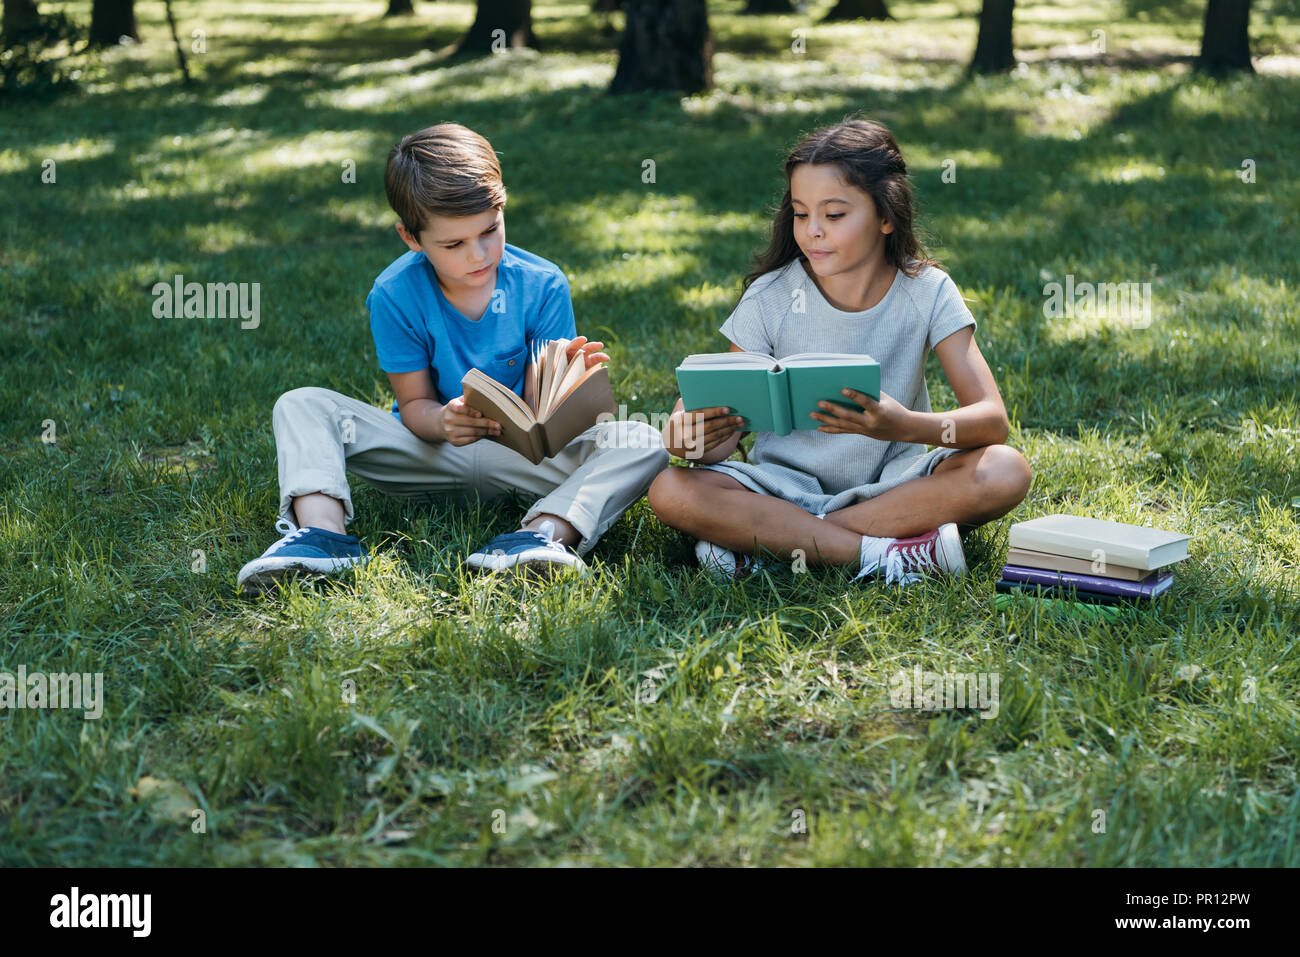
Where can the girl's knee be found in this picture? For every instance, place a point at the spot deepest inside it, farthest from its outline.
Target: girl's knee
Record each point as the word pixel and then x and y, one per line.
pixel 669 494
pixel 1004 474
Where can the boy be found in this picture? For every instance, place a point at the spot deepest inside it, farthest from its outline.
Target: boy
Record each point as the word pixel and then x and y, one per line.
pixel 460 299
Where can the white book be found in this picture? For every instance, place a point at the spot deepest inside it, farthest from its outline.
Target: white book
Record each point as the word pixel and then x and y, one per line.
pixel 1076 536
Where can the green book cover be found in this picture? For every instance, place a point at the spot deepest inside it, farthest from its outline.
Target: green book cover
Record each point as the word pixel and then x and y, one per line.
pixel 769 395
pixel 747 391
pixel 1005 601
pixel 812 384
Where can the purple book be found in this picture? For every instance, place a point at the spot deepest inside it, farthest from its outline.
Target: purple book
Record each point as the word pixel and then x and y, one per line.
pixel 1154 584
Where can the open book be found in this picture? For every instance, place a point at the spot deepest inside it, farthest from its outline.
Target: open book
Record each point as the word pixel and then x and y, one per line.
pixel 562 399
pixel 775 395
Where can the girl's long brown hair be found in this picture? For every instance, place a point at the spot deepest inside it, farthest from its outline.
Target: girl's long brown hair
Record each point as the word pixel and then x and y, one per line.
pixel 867 156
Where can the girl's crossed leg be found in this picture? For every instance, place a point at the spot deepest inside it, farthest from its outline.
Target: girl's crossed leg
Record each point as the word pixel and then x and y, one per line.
pixel 969 488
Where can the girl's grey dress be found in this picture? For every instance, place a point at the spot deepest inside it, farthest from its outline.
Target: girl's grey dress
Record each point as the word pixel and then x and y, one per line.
pixel 783 313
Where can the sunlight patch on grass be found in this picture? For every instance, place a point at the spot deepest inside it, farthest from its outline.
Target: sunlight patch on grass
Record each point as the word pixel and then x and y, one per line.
pixel 397 66
pixel 218 237
pixel 1125 171
pixel 242 95
pixel 14 160
pixel 272 68
pixel 924 156
pixel 706 297
pixel 1200 100
pixel 511 73
pixel 638 224
pixel 329 147
pixel 1088 324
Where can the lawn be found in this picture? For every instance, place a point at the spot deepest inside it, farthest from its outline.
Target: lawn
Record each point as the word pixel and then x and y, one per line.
pixel 417 714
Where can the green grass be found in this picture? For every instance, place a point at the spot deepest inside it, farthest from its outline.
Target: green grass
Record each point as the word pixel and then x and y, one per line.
pixel 478 702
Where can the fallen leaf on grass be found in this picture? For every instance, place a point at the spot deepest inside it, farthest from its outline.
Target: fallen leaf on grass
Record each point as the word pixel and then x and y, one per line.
pixel 169 800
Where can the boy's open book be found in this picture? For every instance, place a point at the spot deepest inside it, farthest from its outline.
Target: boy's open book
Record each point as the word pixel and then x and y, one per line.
pixel 775 395
pixel 562 399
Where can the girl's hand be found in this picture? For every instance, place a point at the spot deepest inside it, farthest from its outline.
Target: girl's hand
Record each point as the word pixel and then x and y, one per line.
pixel 885 419
pixel 690 435
pixel 461 425
pixel 590 350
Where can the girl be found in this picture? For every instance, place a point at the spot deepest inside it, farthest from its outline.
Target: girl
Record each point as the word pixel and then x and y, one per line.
pixel 845 272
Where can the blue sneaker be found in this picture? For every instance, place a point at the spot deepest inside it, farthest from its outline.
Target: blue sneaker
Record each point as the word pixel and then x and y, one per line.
pixel 310 551
pixel 527 551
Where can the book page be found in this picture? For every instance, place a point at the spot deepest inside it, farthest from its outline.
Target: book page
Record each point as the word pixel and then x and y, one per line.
pixel 728 360
pixel 552 365
pixel 574 374
pixel 532 373
pixel 825 359
pixel 494 400
pixel 562 367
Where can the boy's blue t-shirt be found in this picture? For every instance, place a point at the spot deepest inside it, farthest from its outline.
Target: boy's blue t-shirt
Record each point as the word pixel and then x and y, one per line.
pixel 415 327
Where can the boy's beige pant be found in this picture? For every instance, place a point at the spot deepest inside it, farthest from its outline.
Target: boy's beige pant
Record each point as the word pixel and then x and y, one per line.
pixel 320 434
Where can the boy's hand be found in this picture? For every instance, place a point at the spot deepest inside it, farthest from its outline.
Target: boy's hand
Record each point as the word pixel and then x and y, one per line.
pixel 590 350
pixel 462 425
pixel 691 434
pixel 885 419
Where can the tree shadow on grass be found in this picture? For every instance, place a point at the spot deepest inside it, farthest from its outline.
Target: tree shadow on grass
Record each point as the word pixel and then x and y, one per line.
pixel 1038 204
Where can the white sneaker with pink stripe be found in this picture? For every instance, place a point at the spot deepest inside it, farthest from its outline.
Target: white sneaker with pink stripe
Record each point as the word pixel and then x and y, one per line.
pixel 904 561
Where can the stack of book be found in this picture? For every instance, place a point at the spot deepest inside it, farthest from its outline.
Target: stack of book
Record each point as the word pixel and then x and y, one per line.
pixel 1073 560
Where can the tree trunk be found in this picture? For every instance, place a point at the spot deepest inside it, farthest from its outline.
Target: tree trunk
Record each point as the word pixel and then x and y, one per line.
pixel 110 20
pixel 994 51
pixel 666 46
pixel 499 24
pixel 176 42
pixel 858 10
pixel 1225 41
pixel 399 8
pixel 770 6
pixel 19 17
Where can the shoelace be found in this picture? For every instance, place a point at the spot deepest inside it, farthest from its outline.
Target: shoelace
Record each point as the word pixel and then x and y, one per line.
pixel 547 534
pixel 905 564
pixel 289 530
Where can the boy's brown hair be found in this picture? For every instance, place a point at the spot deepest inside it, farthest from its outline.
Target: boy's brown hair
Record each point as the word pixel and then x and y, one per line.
pixel 443 170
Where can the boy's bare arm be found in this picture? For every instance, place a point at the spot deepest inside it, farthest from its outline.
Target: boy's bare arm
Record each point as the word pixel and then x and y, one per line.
pixel 426 417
